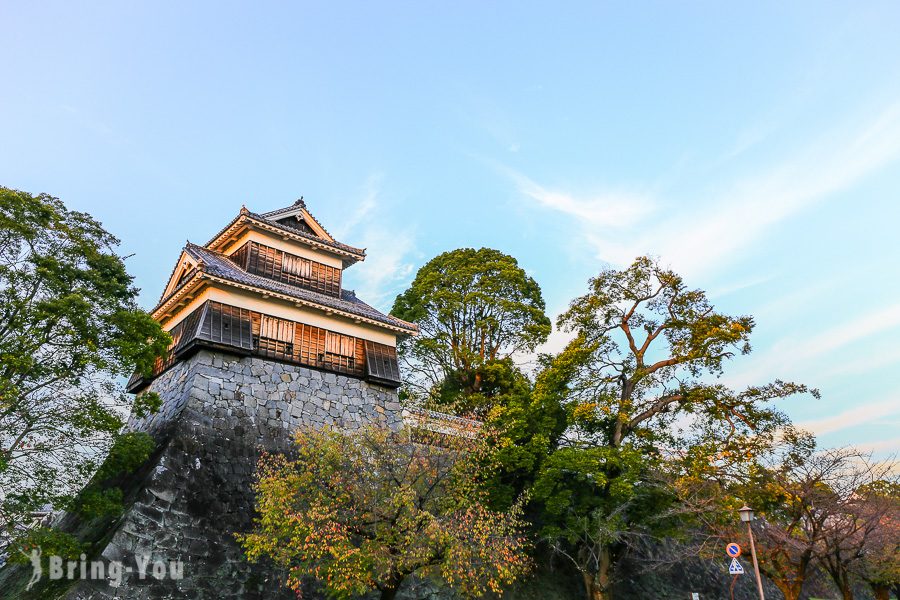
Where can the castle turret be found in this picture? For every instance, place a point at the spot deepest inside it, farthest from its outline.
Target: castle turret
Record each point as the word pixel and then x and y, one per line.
pixel 265 340
pixel 270 285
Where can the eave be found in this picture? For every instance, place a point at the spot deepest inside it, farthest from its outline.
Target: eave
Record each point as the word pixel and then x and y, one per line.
pixel 245 220
pixel 183 294
pixel 195 283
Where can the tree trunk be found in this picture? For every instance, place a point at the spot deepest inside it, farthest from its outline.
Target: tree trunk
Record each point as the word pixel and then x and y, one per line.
pixel 596 585
pixel 592 590
pixel 791 590
pixel 882 592
pixel 388 593
pixel 842 581
pixel 389 588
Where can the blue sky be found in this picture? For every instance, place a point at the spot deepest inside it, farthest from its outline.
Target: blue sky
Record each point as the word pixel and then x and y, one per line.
pixel 754 149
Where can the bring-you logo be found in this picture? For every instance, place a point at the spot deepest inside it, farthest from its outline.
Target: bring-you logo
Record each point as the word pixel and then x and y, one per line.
pixel 56 568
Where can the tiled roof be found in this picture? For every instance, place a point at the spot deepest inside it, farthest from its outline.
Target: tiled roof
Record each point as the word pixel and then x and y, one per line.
pixel 280 211
pixel 295 231
pixel 274 214
pixel 217 264
pixel 268 220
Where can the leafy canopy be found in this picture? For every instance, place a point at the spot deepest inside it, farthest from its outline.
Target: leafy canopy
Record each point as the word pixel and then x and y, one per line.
pixel 363 510
pixel 473 308
pixel 69 326
pixel 640 406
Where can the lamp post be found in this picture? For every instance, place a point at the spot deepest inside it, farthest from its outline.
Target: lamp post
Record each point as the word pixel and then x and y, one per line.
pixel 746 516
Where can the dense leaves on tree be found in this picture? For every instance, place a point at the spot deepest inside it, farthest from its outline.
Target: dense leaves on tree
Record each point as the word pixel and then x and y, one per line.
pixel 363 510
pixel 521 429
pixel 638 395
pixel 475 309
pixel 827 510
pixel 69 327
pixel 879 565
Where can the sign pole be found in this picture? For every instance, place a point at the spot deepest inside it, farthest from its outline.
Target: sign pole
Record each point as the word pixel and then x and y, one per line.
pixel 755 563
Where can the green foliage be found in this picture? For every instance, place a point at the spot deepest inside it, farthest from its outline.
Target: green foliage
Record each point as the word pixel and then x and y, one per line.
pixel 145 404
pixel 474 309
pixel 69 327
pixel 361 511
pixel 50 542
pixel 95 501
pixel 522 427
pixel 101 497
pixel 129 451
pixel 633 374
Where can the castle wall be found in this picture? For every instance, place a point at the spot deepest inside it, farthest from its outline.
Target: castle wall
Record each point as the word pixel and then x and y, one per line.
pixel 219 412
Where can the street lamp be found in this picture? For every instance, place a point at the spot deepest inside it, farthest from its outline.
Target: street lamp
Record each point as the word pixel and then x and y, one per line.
pixel 746 516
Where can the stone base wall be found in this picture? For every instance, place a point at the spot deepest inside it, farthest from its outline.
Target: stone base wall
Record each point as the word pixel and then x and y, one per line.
pixel 218 414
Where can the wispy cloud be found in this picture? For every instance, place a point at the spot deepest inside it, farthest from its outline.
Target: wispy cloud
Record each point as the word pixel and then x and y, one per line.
pixel 891 446
pixel 729 288
pixel 368 201
pixel 796 355
pixel 388 247
pixel 856 329
pixel 387 266
pixel 718 232
pixel 858 415
pixel 606 209
pixel 715 236
pixel 873 360
pixel 748 138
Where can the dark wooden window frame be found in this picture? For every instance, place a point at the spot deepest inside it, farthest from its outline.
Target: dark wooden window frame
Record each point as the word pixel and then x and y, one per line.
pixel 233 329
pixel 269 262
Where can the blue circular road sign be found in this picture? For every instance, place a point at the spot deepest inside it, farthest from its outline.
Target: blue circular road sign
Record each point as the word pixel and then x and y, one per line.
pixel 733 550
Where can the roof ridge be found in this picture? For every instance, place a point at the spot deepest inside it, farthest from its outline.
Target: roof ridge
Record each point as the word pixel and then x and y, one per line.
pixel 267 219
pixel 301 203
pixel 363 309
pixel 335 244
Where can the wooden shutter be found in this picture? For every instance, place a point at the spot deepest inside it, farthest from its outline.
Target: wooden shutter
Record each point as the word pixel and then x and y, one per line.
pixel 276 329
pixel 296 266
pixel 341 345
pixel 381 364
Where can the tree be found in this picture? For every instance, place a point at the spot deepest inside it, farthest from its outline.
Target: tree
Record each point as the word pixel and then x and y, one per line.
pixel 860 513
pixel 816 509
pixel 363 510
pixel 880 562
pixel 636 396
pixel 475 309
pixel 521 429
pixel 69 326
pixel 784 486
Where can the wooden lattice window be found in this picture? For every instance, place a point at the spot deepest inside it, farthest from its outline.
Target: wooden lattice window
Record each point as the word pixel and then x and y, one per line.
pixel 340 351
pixel 264 261
pixel 340 345
pixel 288 268
pixel 296 266
pixel 227 325
pixel 276 336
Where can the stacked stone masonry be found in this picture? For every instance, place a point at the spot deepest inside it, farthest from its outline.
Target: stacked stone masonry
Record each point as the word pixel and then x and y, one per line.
pixel 218 413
